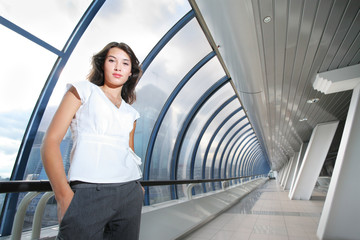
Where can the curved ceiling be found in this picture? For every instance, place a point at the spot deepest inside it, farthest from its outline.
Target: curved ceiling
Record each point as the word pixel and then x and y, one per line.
pixel 273 51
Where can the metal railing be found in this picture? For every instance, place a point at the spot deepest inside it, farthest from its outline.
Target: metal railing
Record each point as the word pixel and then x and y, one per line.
pixel 36 187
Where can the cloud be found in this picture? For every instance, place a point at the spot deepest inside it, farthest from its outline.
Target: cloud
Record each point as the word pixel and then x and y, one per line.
pixel 12 128
pixel 7 158
pixel 9 146
pixel 13 124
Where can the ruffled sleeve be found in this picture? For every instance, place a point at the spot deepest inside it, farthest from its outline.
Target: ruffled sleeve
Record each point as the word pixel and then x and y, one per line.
pixel 132 111
pixel 83 88
pixel 136 114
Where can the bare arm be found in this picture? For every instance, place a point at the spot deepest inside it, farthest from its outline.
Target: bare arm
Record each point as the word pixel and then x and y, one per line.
pixel 50 150
pixel 131 143
pixel 131 137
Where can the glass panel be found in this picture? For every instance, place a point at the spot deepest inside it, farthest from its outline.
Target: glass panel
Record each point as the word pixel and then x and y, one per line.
pixel 242 152
pixel 231 150
pixel 163 75
pixel 166 71
pixel 193 133
pixel 25 69
pixel 251 159
pixel 177 113
pixel 218 145
pixel 222 132
pixel 196 126
pixel 237 159
pixel 51 21
pixel 248 157
pixel 221 149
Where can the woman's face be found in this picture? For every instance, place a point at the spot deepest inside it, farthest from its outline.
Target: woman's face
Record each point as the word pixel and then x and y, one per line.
pixel 117 67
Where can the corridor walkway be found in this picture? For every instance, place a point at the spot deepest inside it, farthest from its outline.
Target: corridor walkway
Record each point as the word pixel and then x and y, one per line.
pixel 266 213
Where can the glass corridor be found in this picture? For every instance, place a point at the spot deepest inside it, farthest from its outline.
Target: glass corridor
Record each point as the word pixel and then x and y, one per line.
pixel 192 125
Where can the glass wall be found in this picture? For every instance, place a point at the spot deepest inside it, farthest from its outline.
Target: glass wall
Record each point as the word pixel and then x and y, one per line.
pixel 210 128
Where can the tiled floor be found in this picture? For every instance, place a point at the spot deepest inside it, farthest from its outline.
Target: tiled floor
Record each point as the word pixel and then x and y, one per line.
pixel 266 213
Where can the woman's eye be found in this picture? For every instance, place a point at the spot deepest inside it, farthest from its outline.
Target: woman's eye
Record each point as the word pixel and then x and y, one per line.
pixel 111 60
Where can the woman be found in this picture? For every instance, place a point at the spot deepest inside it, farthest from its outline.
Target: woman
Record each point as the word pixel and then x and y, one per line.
pixel 104 197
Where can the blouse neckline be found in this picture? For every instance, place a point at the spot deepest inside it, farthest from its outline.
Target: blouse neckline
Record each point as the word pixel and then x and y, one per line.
pixel 108 100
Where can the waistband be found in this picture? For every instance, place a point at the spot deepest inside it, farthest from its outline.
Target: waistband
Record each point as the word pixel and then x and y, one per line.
pixel 105 139
pixel 81 184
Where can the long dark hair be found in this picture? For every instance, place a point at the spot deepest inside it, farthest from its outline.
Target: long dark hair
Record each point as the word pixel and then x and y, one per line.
pixel 96 74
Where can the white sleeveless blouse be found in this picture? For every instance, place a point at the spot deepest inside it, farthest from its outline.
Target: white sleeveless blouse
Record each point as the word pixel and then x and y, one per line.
pixel 100 133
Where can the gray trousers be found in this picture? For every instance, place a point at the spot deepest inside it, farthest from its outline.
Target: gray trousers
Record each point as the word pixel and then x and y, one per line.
pixel 103 211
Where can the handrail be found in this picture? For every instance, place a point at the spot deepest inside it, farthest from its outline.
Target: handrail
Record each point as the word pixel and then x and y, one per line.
pixel 34 187
pixel 44 185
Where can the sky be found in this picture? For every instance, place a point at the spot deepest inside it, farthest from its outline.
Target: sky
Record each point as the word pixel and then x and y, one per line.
pixel 25 66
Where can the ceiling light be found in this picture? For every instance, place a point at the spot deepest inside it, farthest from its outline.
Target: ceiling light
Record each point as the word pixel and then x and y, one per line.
pixel 267 19
pixel 314 100
pixel 303 119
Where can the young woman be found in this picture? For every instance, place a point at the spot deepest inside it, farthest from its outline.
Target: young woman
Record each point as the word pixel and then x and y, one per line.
pixel 101 198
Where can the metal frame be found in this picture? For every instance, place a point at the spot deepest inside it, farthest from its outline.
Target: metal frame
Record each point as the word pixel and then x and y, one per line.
pixel 203 130
pixel 165 108
pixel 227 144
pixel 255 156
pixel 212 139
pixel 31 37
pixel 186 124
pixel 246 158
pixel 236 162
pixel 229 152
pixel 210 143
pixel 166 38
pixel 231 170
pixel 244 151
pixel 236 150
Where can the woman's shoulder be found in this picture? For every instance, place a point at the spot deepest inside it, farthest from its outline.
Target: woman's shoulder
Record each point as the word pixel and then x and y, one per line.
pixel 84 88
pixel 131 109
pixel 83 84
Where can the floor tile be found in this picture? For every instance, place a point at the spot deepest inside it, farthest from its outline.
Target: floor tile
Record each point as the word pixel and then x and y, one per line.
pixel 267 213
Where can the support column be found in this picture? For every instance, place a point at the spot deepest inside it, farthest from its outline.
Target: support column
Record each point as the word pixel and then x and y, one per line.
pixel 314 158
pixel 285 170
pixel 283 173
pixel 291 171
pixel 341 213
pixel 288 167
pixel 298 165
pixel 280 175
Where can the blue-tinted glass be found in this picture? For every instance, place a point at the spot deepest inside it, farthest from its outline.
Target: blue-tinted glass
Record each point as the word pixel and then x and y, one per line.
pixel 194 130
pixel 231 150
pixel 215 145
pixel 242 152
pixel 175 117
pixel 161 78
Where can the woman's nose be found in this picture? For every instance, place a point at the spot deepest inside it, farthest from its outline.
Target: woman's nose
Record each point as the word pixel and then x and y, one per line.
pixel 117 67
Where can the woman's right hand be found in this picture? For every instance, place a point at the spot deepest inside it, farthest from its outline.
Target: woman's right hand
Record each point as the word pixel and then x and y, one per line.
pixel 63 204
